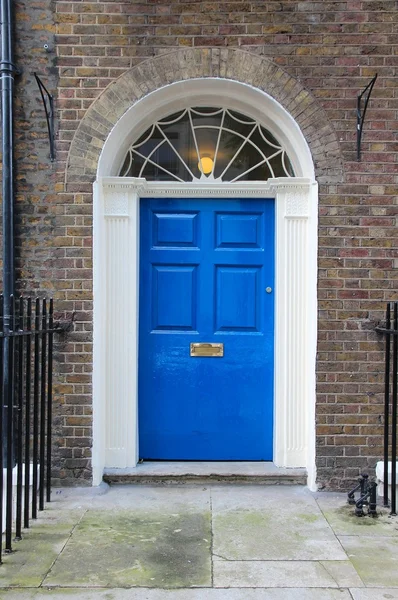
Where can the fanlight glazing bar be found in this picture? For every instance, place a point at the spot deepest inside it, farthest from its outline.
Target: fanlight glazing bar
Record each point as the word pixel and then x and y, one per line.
pixel 210 155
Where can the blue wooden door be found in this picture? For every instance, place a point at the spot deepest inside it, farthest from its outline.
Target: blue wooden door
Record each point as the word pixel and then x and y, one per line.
pixel 207 275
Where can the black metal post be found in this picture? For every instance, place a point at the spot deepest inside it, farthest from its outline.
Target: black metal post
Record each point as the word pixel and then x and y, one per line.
pixel 43 404
pixel 36 409
pixel 27 411
pixel 1 422
pixel 387 404
pixel 19 435
pixel 9 399
pixel 49 396
pixel 394 413
pixel 372 500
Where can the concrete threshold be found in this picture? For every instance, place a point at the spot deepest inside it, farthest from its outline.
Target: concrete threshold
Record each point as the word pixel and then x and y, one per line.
pixel 168 472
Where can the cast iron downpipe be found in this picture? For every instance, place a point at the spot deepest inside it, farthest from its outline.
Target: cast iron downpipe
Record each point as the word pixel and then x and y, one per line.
pixel 7 72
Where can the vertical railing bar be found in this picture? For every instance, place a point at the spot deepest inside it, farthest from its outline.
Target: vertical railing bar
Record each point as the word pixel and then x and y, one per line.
pixel 43 404
pixel 19 436
pixel 35 409
pixel 10 427
pixel 1 424
pixel 387 404
pixel 49 397
pixel 28 369
pixel 394 413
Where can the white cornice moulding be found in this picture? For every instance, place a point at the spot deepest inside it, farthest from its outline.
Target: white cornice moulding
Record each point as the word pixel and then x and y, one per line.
pixel 117 192
pixel 297 186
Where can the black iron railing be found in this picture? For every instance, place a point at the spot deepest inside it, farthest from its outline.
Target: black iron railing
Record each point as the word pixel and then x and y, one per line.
pixel 26 353
pixel 390 332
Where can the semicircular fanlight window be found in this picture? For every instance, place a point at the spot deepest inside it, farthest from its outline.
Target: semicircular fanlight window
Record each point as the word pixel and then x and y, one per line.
pixel 212 144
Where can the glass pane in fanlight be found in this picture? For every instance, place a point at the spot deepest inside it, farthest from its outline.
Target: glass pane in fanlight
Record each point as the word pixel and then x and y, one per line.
pixel 288 165
pixel 247 158
pixel 207 142
pixel 265 148
pixel 125 170
pixel 206 117
pixel 268 136
pixel 133 163
pixel 165 157
pixel 229 145
pixel 173 117
pixel 239 116
pixel 181 138
pixel 277 166
pixel 147 146
pixel 261 173
pixel 236 125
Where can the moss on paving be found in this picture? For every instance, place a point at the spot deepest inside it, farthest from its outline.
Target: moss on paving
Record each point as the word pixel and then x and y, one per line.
pixel 344 521
pixel 374 558
pixel 33 556
pixel 127 549
pixel 274 535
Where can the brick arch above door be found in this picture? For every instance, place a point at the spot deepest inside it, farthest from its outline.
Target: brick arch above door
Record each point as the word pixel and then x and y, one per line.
pixel 232 64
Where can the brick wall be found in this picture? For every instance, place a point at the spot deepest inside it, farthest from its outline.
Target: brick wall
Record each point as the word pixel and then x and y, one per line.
pixel 333 49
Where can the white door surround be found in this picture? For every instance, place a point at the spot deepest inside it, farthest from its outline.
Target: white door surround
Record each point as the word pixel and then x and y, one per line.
pixel 116 270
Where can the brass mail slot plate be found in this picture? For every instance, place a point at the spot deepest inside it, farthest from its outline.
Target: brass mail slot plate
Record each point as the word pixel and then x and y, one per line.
pixel 207 349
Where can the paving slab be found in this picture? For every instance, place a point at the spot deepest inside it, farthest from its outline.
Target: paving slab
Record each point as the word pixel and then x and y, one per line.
pixel 193 594
pixel 343 573
pixel 137 497
pixel 374 558
pixel 281 525
pixel 136 548
pixel 341 517
pixel 375 594
pixel 266 574
pixel 33 556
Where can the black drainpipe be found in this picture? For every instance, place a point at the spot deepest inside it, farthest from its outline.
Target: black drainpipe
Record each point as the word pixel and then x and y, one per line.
pixel 8 72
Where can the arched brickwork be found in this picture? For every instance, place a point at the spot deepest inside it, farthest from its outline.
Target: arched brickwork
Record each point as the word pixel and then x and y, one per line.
pixel 179 65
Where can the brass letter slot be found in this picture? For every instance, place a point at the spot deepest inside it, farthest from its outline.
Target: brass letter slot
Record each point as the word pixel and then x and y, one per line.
pixel 207 349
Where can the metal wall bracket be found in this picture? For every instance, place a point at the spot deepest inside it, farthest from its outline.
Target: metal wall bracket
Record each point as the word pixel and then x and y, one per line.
pixel 362 105
pixel 48 103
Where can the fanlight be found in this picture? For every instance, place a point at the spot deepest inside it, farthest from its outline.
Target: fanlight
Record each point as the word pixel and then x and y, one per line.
pixel 206 144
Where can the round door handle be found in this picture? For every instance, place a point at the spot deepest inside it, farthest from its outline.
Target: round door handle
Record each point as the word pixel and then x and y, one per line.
pixel 268 290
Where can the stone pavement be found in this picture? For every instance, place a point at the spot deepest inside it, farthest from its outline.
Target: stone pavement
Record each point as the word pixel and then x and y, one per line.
pixel 194 542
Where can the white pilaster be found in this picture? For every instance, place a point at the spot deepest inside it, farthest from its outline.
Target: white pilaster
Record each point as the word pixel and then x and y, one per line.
pixel 120 324
pixel 293 348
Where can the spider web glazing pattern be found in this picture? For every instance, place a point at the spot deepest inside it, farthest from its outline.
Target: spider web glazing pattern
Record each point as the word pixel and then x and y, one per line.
pixel 206 144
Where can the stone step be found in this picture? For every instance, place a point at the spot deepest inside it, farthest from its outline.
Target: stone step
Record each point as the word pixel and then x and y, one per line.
pixel 162 472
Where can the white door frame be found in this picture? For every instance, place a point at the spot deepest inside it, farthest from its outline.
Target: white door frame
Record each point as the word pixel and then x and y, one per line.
pixel 116 293
pixel 116 259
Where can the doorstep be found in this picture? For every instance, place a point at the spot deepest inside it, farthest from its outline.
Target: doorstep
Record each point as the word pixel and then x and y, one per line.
pixel 162 472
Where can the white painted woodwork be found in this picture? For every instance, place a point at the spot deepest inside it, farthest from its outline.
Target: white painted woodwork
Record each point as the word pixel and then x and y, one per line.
pixel 294 342
pixel 116 270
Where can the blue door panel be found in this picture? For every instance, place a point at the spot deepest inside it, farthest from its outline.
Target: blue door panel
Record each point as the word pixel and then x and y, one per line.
pixel 173 297
pixel 205 265
pixel 241 284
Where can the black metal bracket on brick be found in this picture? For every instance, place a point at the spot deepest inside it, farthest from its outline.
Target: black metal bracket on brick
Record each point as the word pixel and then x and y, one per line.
pixel 367 496
pixel 362 105
pixel 48 103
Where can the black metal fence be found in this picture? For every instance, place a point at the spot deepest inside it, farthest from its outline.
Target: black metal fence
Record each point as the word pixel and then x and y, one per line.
pixel 390 331
pixel 26 353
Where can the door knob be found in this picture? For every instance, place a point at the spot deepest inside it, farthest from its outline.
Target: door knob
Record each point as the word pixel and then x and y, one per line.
pixel 268 290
